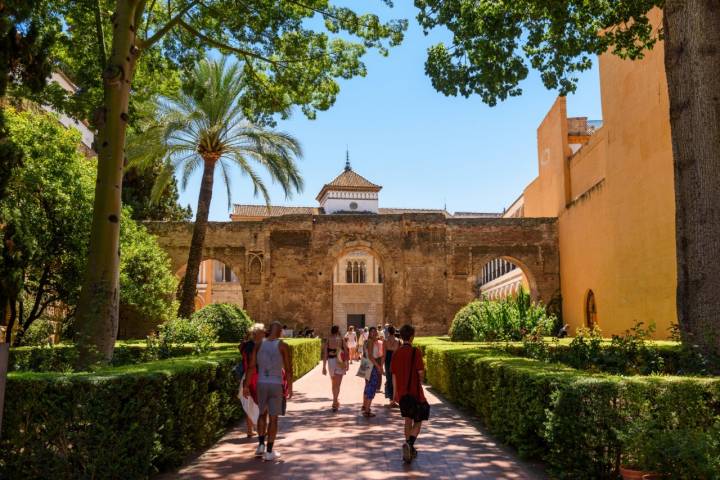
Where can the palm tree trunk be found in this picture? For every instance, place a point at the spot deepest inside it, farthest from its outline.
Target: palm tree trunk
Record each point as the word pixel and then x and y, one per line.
pixel 195 257
pixel 692 64
pixel 97 312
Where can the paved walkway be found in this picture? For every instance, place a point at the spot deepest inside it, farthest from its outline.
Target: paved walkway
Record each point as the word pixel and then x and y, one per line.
pixel 318 444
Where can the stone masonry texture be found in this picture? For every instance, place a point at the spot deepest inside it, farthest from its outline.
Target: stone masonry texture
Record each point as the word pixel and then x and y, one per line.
pixel 430 262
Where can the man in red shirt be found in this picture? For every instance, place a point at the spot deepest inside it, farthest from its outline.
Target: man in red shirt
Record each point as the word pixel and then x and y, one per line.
pixel 408 371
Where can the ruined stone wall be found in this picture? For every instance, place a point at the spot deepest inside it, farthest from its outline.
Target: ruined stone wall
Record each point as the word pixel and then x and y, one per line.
pixel 430 263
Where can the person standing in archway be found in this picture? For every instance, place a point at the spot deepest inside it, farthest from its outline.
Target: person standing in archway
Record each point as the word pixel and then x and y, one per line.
pixel 351 340
pixel 335 360
pixel 270 357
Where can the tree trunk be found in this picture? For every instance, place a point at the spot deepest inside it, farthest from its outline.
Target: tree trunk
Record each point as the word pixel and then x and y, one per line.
pixel 97 313
pixel 195 257
pixel 692 65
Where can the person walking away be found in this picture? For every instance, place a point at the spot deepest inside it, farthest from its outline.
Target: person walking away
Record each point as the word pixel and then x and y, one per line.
pixel 335 356
pixel 249 404
pixel 374 353
pixel 270 357
pixel 408 371
pixel 351 340
pixel 390 345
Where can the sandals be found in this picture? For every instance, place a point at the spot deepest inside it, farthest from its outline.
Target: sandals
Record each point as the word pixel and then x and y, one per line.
pixel 368 414
pixel 335 407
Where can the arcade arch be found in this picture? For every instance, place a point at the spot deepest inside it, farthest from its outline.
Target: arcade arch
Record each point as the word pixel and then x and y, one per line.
pixel 503 277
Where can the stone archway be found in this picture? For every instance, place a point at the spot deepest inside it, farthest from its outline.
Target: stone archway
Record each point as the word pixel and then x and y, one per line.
pixel 217 283
pixel 358 285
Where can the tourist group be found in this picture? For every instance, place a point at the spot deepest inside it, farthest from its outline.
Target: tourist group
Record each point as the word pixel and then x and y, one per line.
pixel 266 377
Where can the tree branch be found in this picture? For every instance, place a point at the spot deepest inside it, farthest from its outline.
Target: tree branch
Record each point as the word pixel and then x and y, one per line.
pixel 224 46
pixel 34 313
pixel 100 34
pixel 148 43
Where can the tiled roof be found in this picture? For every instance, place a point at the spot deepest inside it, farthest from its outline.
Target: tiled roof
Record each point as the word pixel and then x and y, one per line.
pixel 273 211
pixel 476 215
pixel 240 210
pixel 349 180
pixel 398 211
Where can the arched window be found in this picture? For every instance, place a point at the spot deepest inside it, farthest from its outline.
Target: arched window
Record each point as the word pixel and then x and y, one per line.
pixel 255 270
pixel 348 273
pixel 363 273
pixel 590 310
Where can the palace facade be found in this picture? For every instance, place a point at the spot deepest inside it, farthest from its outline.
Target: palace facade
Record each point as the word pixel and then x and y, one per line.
pixel 349 261
pixel 610 185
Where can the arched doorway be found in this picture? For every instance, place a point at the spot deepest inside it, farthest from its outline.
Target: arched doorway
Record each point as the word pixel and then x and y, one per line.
pixel 216 283
pixel 590 310
pixel 501 277
pixel 358 289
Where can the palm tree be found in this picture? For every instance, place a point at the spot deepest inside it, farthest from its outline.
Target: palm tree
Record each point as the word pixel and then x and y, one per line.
pixel 204 127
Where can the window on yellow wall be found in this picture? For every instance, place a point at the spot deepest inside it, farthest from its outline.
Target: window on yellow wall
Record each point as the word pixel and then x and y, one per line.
pixel 590 310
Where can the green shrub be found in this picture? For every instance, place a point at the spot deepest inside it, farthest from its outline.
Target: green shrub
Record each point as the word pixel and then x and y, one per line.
pixel 508 319
pixel 178 332
pixel 231 322
pixel 578 422
pixel 39 333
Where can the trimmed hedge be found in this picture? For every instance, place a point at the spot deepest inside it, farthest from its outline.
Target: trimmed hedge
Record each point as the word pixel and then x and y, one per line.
pixel 62 357
pixel 122 422
pixel 573 420
pixel 306 354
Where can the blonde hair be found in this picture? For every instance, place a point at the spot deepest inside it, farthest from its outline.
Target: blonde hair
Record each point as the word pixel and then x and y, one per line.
pixel 258 327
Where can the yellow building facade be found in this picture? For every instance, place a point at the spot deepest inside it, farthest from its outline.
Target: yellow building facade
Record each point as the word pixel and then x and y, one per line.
pixel 611 188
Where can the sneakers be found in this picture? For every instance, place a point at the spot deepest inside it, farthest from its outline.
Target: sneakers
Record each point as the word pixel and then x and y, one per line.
pixel 407 453
pixel 260 451
pixel 271 456
pixel 414 453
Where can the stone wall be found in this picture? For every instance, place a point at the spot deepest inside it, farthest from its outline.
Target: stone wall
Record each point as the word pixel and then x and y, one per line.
pixel 430 262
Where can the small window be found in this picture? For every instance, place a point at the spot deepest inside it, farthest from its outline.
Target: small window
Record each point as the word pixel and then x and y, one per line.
pixel 590 310
pixel 353 206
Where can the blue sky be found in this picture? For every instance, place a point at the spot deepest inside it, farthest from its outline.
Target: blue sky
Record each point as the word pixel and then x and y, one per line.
pixel 425 149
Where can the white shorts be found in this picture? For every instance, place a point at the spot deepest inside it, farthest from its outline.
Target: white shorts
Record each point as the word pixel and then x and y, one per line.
pixel 333 368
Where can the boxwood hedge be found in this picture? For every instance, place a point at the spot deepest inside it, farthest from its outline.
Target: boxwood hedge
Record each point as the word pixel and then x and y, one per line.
pixel 574 420
pixel 122 422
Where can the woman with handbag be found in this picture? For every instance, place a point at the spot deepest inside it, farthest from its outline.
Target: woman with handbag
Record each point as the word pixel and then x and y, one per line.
pixel 408 370
pixel 374 355
pixel 249 404
pixel 335 359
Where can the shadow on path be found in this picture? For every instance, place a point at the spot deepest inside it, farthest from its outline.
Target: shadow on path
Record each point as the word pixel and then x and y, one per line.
pixel 318 444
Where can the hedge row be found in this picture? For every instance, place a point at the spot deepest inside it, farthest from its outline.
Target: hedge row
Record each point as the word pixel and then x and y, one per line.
pixel 122 422
pixel 306 354
pixel 575 421
pixel 62 357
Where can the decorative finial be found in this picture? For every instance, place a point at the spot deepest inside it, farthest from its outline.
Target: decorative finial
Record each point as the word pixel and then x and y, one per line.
pixel 347 160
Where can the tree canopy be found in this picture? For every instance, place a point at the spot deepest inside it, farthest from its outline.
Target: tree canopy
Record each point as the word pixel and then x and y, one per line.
pixel 494 44
pixel 48 209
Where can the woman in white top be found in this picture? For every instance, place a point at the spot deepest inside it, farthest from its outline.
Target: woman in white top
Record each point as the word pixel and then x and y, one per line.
pixel 351 341
pixel 335 359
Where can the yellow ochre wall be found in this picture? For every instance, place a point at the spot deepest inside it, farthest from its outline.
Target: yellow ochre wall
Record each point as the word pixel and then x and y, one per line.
pixel 617 231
